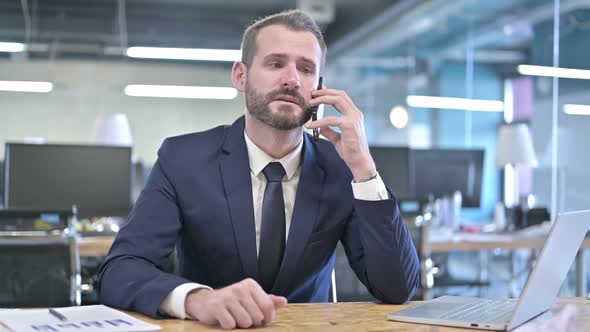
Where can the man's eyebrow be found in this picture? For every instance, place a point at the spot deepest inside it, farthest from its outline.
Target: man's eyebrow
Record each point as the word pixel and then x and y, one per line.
pixel 284 56
pixel 276 55
pixel 309 62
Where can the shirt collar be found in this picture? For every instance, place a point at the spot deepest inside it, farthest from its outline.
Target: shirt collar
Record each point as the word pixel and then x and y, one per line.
pixel 259 159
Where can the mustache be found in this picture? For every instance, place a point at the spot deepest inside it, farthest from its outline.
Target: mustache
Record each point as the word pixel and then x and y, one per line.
pixel 287 92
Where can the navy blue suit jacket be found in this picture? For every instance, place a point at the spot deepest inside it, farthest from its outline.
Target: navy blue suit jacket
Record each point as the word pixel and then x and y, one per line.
pixel 199 198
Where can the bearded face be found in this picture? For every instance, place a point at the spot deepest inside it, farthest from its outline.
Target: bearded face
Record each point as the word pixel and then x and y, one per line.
pixel 282 109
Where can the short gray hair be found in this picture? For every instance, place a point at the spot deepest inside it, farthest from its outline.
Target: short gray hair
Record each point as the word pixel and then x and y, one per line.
pixel 294 20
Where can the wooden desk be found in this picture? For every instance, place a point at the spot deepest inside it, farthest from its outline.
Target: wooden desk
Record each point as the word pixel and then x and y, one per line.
pixel 345 317
pixel 95 246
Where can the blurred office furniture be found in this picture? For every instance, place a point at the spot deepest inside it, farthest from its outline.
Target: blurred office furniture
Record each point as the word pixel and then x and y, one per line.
pixel 112 129
pixel 39 259
pixel 138 180
pixel 514 149
pixel 448 179
pixel 521 217
pixel 95 245
pixel 430 242
pixel 442 172
pixel 348 287
pixel 427 241
pixel 432 273
pixel 395 168
pixel 1 184
pixel 97 179
pixel 440 243
pixel 515 146
pixel 432 185
pixel 419 174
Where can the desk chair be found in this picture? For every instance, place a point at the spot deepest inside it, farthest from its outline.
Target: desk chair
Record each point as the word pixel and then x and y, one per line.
pixel 39 268
pixel 1 184
pixel 39 271
pixel 346 287
pixel 350 289
pixel 434 272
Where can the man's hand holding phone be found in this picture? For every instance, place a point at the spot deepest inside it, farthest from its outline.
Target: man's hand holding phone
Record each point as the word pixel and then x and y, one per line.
pixel 351 143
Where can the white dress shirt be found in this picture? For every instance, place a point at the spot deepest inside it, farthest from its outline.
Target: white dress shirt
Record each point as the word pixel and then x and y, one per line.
pixel 372 190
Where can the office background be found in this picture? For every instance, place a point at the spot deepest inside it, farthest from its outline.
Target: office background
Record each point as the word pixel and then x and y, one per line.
pixel 380 52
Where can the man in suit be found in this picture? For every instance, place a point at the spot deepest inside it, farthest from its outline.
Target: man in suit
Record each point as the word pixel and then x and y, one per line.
pixel 255 209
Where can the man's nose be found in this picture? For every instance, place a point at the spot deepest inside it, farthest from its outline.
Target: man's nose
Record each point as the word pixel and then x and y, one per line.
pixel 290 78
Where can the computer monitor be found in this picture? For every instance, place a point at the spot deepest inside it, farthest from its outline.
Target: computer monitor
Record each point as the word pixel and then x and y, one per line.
pixel 393 165
pixel 97 179
pixel 440 172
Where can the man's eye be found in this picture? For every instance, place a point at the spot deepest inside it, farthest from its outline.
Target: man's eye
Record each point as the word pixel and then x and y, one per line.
pixel 306 70
pixel 275 65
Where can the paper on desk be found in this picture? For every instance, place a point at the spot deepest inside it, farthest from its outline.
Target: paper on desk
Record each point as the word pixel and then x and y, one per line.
pixel 83 319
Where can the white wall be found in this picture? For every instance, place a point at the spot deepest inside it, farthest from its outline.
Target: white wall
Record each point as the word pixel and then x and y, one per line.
pixel 84 89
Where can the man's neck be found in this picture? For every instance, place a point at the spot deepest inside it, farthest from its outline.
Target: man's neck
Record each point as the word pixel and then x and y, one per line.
pixel 276 143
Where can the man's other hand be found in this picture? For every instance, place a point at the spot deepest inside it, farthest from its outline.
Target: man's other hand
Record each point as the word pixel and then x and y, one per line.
pixel 244 304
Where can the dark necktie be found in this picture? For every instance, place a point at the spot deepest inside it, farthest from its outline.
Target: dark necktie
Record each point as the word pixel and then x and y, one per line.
pixel 273 229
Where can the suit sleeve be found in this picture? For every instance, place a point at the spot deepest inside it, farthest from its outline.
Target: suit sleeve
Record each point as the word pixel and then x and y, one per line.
pixel 131 277
pixel 380 250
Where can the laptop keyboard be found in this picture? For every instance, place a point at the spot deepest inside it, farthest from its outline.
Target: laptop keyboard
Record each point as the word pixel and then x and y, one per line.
pixel 486 311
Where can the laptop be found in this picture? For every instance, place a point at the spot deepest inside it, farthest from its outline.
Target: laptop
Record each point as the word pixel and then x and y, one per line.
pixel 565 238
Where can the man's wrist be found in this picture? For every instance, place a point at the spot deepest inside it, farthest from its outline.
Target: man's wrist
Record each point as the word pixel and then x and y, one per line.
pixel 193 301
pixel 366 179
pixel 365 171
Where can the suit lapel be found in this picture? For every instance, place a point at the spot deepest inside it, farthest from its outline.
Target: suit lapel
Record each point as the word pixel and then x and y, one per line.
pixel 305 214
pixel 235 173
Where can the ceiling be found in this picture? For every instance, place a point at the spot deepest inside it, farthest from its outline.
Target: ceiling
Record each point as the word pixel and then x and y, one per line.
pixel 66 28
pixel 427 31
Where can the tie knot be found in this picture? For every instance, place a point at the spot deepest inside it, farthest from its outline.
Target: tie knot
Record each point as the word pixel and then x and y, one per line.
pixel 274 172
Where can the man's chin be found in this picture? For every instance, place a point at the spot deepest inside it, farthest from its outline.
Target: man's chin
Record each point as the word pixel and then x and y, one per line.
pixel 284 122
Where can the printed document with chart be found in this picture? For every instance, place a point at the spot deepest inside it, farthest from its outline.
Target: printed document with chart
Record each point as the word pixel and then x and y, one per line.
pixel 92 318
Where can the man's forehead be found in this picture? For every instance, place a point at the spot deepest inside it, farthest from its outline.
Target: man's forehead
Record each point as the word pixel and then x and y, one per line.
pixel 278 39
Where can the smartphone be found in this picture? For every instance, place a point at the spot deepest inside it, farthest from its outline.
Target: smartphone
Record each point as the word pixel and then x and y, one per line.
pixel 314 112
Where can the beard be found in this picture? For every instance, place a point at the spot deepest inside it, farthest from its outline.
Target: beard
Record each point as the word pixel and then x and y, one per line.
pixel 287 117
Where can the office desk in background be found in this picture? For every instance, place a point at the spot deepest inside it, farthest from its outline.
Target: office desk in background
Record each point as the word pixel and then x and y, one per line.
pixel 95 246
pixel 99 246
pixel 511 241
pixel 359 316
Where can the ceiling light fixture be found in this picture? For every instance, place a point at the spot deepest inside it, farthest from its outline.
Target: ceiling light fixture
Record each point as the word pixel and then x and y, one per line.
pixel 184 53
pixel 26 86
pixel 176 91
pixel 11 47
pixel 554 72
pixel 466 104
pixel 576 109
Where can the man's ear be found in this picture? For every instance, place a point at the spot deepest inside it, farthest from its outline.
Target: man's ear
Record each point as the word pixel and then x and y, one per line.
pixel 238 76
